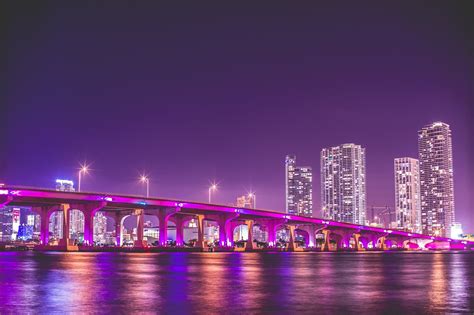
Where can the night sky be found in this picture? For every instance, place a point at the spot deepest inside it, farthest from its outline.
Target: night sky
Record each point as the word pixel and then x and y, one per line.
pixel 219 91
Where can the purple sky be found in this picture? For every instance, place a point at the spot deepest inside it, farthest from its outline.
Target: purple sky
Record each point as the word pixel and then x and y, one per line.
pixel 200 92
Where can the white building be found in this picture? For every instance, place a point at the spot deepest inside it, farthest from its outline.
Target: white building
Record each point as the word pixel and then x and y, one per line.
pixel 407 194
pixel 436 179
pixel 343 194
pixel 246 201
pixel 299 188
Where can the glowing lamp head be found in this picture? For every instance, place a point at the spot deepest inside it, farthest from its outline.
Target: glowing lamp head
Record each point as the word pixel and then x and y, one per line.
pixel 143 178
pixel 84 168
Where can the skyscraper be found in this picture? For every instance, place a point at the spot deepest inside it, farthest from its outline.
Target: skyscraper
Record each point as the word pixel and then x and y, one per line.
pixel 343 196
pixel 407 194
pixel 299 188
pixel 436 179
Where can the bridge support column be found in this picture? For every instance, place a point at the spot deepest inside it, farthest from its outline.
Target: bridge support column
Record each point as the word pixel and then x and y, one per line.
pixel 118 218
pixel 200 227
pixel 179 222
pixel 163 217
pixel 382 240
pixel 358 247
pixel 226 237
pixel 291 243
pixel 249 245
pixel 65 209
pixel 44 233
pixel 272 241
pixel 311 236
pixel 163 229
pixel 223 238
pixel 44 213
pixel 140 214
pixel 89 213
pixel 325 247
pixel 88 228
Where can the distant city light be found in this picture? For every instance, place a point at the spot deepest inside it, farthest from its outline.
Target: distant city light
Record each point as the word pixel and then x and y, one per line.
pixel 456 231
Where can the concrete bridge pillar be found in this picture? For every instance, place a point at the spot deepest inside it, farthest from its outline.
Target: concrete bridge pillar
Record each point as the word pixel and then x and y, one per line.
pixel 249 245
pixel 271 229
pixel 164 217
pixel 179 222
pixel 89 212
pixel 383 245
pixel 311 236
pixel 140 214
pixel 358 247
pixel 44 213
pixel 88 227
pixel 226 228
pixel 118 219
pixel 200 227
pixel 44 233
pixel 291 244
pixel 325 247
pixel 65 208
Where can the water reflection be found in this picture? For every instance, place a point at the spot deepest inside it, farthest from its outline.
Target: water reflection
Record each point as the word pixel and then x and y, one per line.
pixel 177 283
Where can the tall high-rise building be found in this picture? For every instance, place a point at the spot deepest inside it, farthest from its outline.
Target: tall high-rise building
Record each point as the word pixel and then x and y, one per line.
pixel 343 196
pixel 299 188
pixel 407 194
pixel 246 201
pixel 436 179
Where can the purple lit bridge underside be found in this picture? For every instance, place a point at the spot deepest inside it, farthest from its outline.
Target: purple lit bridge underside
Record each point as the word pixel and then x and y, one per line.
pixel 337 235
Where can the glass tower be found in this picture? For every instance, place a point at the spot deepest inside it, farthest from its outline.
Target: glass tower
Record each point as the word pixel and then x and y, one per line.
pixel 343 196
pixel 407 194
pixel 436 179
pixel 299 188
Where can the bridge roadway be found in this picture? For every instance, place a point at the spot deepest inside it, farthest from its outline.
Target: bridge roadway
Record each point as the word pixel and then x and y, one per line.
pixel 337 235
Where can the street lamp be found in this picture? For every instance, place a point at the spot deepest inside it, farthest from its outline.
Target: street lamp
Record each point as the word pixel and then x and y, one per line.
pixel 145 179
pixel 213 187
pixel 254 198
pixel 82 171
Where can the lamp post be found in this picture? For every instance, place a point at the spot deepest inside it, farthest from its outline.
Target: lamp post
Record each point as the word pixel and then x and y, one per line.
pixel 145 179
pixel 211 188
pixel 82 171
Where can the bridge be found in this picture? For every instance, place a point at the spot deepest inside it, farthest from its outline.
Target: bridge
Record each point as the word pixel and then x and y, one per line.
pixel 336 236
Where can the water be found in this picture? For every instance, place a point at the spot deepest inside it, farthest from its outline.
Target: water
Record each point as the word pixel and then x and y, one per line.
pixel 284 283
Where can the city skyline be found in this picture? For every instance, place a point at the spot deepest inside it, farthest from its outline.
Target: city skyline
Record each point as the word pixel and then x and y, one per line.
pixel 68 185
pixel 283 157
pixel 188 117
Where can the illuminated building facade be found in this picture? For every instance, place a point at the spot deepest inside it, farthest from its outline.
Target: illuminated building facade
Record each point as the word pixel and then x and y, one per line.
pixel 246 201
pixel 343 194
pixel 436 179
pixel 407 194
pixel 56 219
pixel 299 188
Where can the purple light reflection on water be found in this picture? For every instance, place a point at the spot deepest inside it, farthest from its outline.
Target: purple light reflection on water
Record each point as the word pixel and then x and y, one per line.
pixel 371 282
